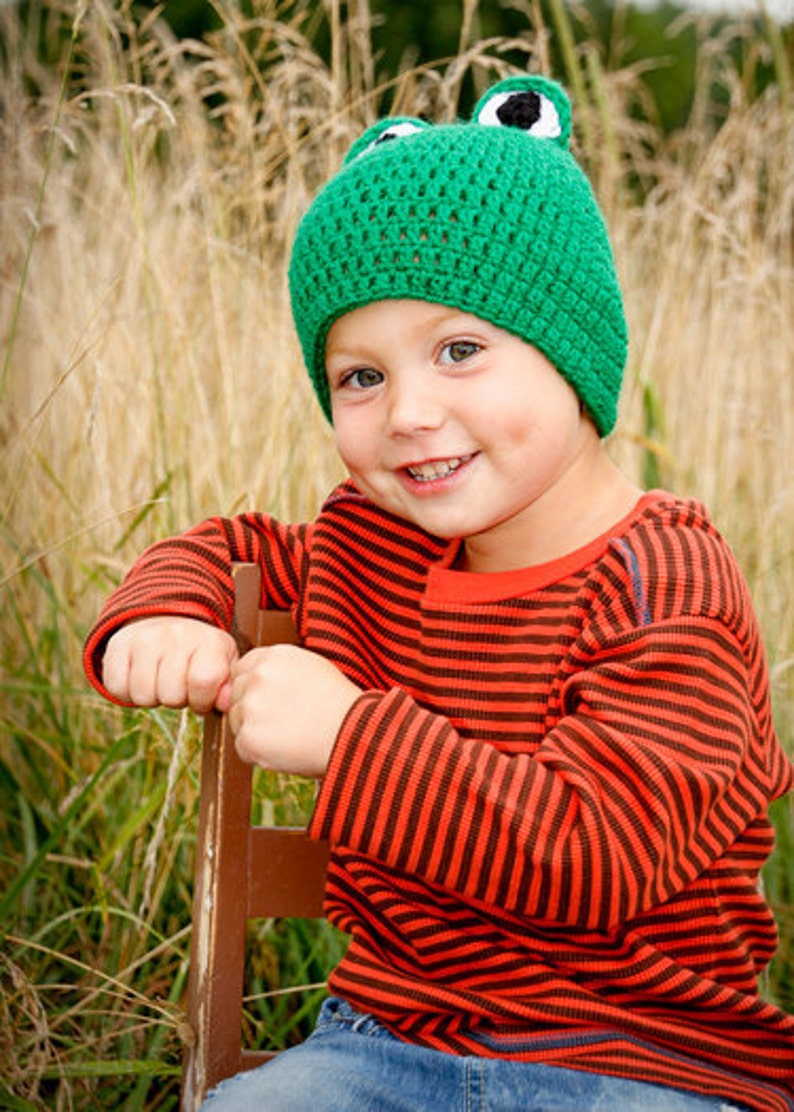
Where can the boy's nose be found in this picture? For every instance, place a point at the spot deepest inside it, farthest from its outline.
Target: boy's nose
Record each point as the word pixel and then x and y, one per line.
pixel 413 407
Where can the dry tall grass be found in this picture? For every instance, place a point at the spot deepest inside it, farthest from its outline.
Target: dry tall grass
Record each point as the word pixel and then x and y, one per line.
pixel 150 377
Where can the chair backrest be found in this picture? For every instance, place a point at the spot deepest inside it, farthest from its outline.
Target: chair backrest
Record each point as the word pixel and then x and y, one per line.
pixel 242 872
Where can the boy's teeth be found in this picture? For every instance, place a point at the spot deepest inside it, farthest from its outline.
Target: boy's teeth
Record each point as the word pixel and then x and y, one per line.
pixel 437 469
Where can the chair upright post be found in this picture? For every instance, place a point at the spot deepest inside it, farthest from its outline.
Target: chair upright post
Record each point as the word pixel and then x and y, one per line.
pixel 217 957
pixel 241 872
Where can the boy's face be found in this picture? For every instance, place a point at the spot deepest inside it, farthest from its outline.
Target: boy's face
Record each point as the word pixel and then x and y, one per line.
pixel 460 428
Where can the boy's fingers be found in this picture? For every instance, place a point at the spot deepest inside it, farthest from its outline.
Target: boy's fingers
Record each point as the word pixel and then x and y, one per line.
pixel 223 700
pixel 117 668
pixel 114 674
pixel 128 674
pixel 168 662
pixel 142 681
pixel 208 672
pixel 249 661
pixel 170 683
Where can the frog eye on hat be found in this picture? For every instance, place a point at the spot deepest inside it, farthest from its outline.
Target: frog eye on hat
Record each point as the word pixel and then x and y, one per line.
pixel 395 131
pixel 534 105
pixel 394 127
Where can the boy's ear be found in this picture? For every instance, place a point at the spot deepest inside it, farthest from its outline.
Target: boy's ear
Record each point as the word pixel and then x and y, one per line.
pixel 384 131
pixel 535 105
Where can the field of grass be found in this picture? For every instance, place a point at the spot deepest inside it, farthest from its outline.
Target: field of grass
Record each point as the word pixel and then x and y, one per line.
pixel 148 192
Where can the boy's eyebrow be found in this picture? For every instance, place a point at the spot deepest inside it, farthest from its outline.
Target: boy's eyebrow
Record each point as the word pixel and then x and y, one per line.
pixel 434 319
pixel 339 350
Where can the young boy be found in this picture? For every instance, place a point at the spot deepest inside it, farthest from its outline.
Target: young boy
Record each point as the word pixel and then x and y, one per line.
pixel 534 697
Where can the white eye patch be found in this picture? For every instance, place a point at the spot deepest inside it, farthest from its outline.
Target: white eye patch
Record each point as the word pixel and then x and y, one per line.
pixel 526 110
pixel 395 131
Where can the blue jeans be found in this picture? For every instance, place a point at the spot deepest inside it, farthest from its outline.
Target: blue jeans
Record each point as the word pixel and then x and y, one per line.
pixel 351 1063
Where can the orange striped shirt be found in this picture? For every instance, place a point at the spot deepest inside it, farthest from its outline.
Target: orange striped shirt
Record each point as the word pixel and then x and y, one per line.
pixel 548 809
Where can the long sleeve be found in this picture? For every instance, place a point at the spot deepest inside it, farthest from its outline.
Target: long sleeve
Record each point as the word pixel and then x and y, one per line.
pixel 651 773
pixel 190 575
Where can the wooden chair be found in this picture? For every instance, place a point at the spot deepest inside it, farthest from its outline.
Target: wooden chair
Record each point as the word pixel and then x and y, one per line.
pixel 242 872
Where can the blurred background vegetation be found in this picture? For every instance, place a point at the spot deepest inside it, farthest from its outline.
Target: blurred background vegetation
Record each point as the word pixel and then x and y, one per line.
pixel 154 160
pixel 663 38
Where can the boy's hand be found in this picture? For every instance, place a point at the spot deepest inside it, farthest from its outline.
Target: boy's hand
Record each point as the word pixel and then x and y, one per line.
pixel 287 705
pixel 171 662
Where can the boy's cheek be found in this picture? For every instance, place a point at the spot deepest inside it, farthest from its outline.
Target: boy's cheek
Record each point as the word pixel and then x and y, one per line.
pixel 352 444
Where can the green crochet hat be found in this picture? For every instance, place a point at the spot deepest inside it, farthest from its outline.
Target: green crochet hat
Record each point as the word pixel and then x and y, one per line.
pixel 492 217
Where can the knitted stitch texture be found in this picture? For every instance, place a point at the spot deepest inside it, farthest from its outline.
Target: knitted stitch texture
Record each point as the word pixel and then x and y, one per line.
pixel 488 217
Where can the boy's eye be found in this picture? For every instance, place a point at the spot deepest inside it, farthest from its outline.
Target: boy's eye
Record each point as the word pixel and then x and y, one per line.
pixel 458 350
pixel 363 378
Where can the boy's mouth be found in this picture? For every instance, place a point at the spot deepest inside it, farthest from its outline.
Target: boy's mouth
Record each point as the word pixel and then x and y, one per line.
pixel 436 469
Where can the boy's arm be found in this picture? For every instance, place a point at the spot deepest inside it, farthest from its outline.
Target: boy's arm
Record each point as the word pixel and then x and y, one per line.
pixel 190 576
pixel 633 794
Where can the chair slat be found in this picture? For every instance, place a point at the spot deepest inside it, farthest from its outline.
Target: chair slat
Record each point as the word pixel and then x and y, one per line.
pixel 283 867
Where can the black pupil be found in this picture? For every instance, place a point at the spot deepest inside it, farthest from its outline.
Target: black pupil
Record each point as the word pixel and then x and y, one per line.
pixel 520 110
